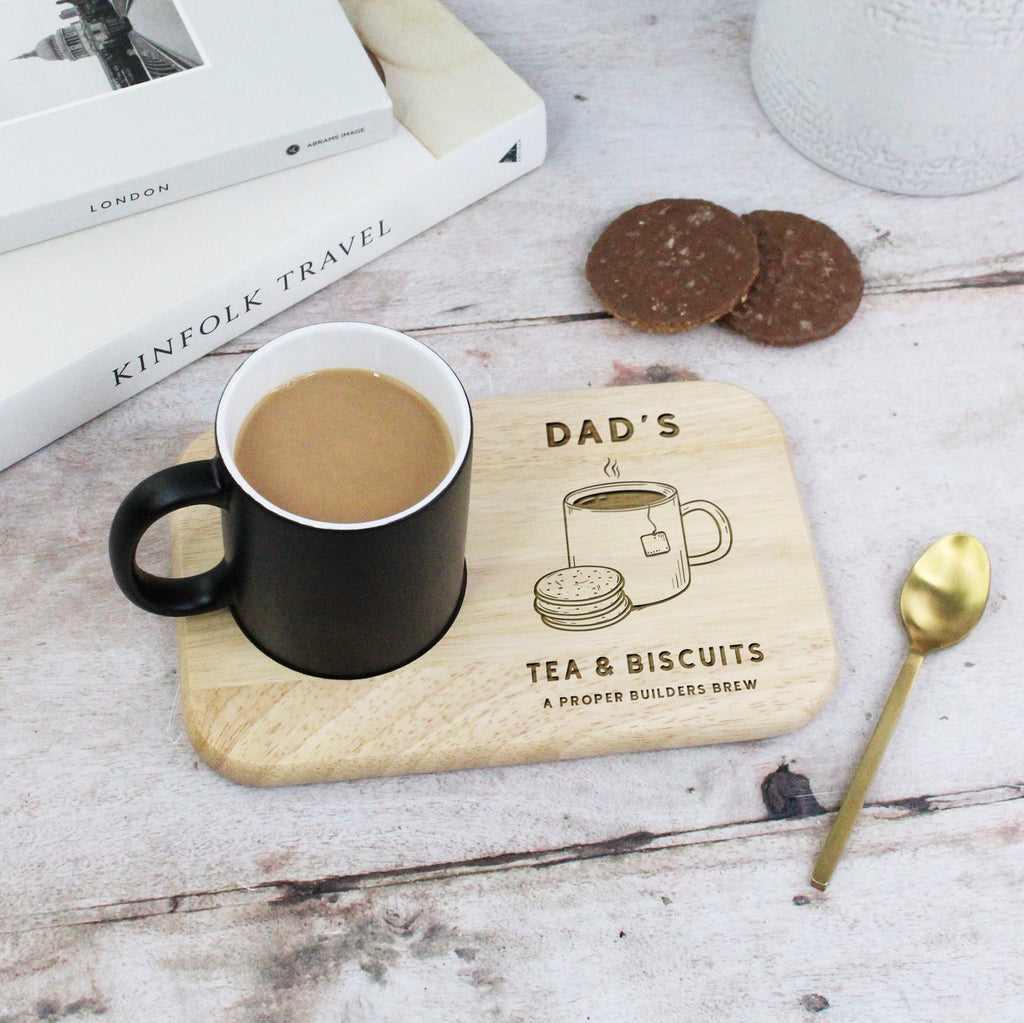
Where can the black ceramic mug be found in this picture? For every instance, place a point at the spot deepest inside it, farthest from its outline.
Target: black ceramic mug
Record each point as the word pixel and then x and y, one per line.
pixel 336 600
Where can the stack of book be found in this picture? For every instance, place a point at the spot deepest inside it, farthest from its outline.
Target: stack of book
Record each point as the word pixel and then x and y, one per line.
pixel 95 315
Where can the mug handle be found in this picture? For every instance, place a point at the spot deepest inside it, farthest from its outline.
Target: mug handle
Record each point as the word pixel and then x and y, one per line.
pixel 178 486
pixel 724 531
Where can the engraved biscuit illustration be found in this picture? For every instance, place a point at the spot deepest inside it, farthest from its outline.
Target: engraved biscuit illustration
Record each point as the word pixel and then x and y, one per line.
pixel 581 597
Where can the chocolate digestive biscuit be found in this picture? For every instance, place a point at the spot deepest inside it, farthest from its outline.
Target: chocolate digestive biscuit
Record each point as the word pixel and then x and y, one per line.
pixel 809 284
pixel 673 264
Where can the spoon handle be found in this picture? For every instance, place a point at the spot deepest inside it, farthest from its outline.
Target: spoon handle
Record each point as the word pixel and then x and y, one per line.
pixel 865 773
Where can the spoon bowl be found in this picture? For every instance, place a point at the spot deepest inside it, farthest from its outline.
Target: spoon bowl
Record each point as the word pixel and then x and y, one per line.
pixel 942 599
pixel 945 593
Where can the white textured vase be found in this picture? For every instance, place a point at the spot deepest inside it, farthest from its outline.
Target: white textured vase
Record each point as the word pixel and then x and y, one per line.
pixel 924 97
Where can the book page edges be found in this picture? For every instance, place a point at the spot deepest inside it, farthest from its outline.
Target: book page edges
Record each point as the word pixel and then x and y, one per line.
pixel 445 85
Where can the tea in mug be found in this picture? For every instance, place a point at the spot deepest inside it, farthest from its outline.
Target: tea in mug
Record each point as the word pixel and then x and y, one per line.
pixel 619 500
pixel 344 445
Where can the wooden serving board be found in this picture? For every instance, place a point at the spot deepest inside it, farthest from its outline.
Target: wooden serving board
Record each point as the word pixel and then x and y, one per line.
pixel 548 662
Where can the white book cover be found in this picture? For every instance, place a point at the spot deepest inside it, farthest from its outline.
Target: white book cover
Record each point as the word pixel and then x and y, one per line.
pixel 165 287
pixel 113 107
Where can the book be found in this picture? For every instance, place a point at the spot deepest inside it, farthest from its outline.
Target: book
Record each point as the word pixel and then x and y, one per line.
pixel 112 107
pixel 92 318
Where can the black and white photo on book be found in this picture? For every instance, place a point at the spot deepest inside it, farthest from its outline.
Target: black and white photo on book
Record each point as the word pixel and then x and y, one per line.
pixel 78 49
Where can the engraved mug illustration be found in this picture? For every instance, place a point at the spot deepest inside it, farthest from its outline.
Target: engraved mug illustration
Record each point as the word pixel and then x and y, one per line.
pixel 637 528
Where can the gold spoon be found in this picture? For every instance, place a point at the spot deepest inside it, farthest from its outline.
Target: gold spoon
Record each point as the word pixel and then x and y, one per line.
pixel 942 600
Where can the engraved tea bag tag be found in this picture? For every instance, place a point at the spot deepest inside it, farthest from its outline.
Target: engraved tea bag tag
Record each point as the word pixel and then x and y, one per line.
pixel 655 543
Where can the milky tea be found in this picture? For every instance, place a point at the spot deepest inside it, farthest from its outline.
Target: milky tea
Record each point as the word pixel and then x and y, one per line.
pixel 344 446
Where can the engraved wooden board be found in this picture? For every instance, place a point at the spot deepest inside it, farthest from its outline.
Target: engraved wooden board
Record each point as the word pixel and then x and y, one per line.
pixel 590 625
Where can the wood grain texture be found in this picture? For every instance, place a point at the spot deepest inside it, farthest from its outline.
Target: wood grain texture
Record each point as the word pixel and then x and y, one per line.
pixel 708 927
pixel 137 883
pixel 446 86
pixel 740 648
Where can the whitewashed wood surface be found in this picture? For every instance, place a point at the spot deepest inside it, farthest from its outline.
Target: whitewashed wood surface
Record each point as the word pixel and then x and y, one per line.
pixel 135 884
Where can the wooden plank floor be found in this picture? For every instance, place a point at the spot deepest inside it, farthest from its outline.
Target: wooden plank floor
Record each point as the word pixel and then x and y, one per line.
pixel 137 884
